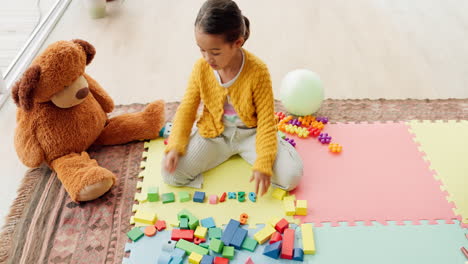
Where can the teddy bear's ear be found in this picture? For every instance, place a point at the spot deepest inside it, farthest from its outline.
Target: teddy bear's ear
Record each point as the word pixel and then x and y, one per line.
pixel 88 48
pixel 24 88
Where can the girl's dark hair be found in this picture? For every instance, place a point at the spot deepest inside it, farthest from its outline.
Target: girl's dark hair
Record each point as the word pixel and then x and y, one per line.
pixel 223 17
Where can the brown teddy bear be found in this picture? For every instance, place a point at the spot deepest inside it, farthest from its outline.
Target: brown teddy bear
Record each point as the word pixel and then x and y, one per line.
pixel 62 112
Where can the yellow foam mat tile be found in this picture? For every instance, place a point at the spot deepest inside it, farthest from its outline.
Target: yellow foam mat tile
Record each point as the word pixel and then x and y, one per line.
pixel 231 176
pixel 445 145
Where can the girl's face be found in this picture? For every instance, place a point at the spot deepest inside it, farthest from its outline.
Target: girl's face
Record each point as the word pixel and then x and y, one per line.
pixel 215 50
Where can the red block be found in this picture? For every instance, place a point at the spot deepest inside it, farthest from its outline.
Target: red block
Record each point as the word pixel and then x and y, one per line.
pixel 288 244
pixel 160 225
pixel 198 240
pixel 223 198
pixel 220 260
pixel 185 234
pixel 282 225
pixel 275 238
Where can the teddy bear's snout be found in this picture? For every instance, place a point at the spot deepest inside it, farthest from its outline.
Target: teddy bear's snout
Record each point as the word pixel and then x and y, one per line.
pixel 82 93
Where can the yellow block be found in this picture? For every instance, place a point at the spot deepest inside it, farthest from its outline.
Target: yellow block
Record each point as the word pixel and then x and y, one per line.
pixel 301 207
pixel 278 193
pixel 290 198
pixel 200 232
pixel 145 217
pixel 195 258
pixel 289 207
pixel 274 220
pixel 263 235
pixel 308 242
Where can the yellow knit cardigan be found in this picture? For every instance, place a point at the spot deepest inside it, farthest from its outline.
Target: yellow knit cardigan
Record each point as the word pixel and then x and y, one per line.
pixel 251 96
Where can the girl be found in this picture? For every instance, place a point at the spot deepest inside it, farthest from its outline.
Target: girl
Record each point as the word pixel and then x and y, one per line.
pixel 238 109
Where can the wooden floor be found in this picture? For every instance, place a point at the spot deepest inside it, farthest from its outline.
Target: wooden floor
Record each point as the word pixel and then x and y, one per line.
pixel 360 48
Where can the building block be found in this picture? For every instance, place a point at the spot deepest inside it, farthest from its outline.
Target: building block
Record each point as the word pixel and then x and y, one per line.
pixel 200 232
pixel 193 221
pixel 198 241
pixel 249 244
pixel 243 218
pixel 168 198
pixel 189 247
pixel 298 254
pixel 301 207
pixel 208 222
pixel 176 260
pixel 164 259
pixel 289 207
pixel 222 199
pixel 199 197
pixel 153 194
pixel 278 193
pixel 264 234
pixel 276 237
pixel 195 258
pixel 249 261
pixel 205 245
pixel 273 221
pixel 215 232
pixel 178 253
pixel 207 259
pixel 213 199
pixel 160 225
pixel 135 234
pixel 185 234
pixel 184 197
pixel 252 197
pixel 228 252
pixel 232 195
pixel 238 238
pixel 308 242
pixel 290 198
pixel 216 245
pixel 229 231
pixel 282 225
pixel 241 196
pixel 169 246
pixel 150 231
pixel 145 217
pixel 288 244
pixel 183 223
pixel 273 250
pixel 220 260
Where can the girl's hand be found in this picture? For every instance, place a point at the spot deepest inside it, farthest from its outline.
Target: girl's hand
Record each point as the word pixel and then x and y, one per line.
pixel 172 158
pixel 261 180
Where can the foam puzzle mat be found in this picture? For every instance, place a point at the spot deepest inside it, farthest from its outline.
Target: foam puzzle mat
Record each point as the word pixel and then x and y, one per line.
pixel 396 194
pixel 390 244
pixel 445 145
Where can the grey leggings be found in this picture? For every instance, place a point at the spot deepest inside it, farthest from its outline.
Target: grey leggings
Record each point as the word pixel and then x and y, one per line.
pixel 206 153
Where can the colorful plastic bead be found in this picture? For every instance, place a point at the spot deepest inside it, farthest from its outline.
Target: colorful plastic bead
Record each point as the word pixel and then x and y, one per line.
pixel 322 119
pixel 335 147
pixel 324 138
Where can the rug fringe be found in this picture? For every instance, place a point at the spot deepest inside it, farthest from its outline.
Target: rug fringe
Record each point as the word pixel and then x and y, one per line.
pixel 31 178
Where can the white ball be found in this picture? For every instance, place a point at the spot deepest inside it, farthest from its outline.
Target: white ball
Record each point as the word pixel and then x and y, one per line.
pixel 301 92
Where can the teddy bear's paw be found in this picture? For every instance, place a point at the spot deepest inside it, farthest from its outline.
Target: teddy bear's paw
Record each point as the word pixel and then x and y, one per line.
pixel 94 191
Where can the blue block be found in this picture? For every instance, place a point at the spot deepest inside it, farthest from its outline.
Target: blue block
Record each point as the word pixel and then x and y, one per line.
pixel 239 237
pixel 252 197
pixel 208 222
pixel 164 259
pixel 229 232
pixel 207 259
pixel 298 254
pixel 178 253
pixel 231 195
pixel 176 260
pixel 199 197
pixel 273 250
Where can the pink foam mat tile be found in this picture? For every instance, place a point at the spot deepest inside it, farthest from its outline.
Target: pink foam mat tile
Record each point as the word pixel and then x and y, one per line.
pixel 379 176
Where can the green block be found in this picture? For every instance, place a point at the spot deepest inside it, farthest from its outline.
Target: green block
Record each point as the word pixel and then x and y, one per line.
pixel 249 244
pixel 216 245
pixel 204 245
pixel 168 198
pixel 193 221
pixel 153 194
pixel 135 234
pixel 215 232
pixel 189 247
pixel 241 196
pixel 184 197
pixel 183 223
pixel 228 252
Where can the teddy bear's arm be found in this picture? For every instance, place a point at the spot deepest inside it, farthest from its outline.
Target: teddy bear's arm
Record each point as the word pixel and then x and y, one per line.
pixel 27 146
pixel 100 95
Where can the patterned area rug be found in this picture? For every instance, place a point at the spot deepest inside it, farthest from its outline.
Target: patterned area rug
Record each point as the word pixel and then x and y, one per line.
pixel 45 226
